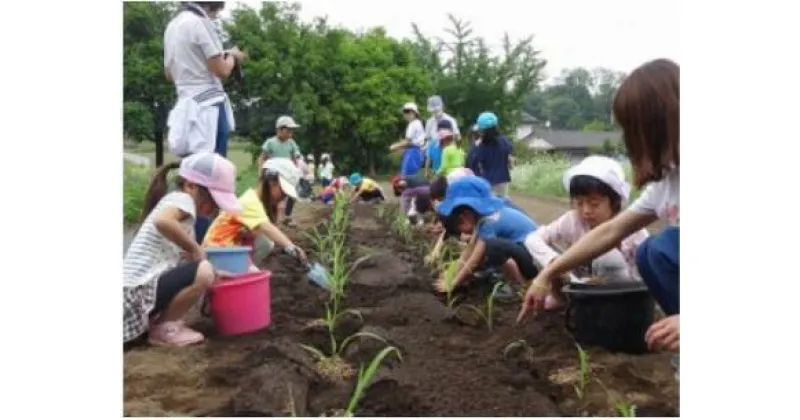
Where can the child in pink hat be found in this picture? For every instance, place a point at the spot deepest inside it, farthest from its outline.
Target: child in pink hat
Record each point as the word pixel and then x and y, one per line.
pixel 165 271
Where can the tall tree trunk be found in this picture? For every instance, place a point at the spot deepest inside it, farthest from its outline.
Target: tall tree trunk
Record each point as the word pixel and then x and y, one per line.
pixel 160 114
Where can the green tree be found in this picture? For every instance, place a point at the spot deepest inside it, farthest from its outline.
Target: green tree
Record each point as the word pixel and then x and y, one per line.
pixel 472 80
pixel 143 71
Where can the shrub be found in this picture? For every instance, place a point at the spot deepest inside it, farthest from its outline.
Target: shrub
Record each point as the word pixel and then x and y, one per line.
pixel 135 179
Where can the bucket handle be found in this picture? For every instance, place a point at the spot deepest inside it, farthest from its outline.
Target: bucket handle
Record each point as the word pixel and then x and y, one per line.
pixel 205 309
pixel 568 317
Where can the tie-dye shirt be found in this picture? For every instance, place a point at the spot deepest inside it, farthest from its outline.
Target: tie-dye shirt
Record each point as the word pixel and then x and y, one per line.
pixel 229 230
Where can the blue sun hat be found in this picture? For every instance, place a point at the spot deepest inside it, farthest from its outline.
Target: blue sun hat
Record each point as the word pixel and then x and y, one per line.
pixel 472 191
pixel 355 178
pixel 486 120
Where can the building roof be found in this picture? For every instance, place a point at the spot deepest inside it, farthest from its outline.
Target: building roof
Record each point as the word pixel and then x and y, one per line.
pixel 569 139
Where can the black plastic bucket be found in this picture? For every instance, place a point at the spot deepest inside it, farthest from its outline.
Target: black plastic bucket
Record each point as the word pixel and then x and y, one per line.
pixel 614 316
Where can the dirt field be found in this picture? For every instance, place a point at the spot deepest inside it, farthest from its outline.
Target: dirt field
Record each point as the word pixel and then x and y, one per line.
pixel 449 368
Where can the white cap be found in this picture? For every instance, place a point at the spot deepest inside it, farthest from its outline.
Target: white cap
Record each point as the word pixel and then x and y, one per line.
pixel 607 170
pixel 411 106
pixel 310 157
pixel 288 174
pixel 286 121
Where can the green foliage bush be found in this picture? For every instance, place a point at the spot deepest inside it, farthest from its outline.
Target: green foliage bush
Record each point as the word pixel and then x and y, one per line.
pixel 135 179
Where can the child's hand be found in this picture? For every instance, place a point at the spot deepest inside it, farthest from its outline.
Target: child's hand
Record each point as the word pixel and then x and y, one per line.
pixel 665 334
pixel 440 285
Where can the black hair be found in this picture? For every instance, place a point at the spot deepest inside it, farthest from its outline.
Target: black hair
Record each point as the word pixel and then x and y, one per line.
pixel 444 124
pixel 423 203
pixel 265 179
pixel 583 185
pixel 438 188
pixel 490 136
pixel 450 223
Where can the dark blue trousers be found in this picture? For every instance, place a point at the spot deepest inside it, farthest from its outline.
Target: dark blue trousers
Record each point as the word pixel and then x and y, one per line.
pixel 202 224
pixel 658 261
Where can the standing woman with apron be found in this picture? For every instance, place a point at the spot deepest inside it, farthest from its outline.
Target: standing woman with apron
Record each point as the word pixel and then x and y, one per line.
pixel 413 142
pixel 195 61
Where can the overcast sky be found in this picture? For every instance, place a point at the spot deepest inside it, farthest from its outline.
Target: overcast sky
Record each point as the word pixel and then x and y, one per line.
pixel 618 34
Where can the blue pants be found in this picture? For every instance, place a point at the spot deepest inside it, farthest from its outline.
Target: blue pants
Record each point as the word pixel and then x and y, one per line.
pixel 413 161
pixel 658 261
pixel 223 130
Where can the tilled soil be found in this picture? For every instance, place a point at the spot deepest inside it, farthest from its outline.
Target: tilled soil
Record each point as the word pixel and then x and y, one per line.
pixel 451 366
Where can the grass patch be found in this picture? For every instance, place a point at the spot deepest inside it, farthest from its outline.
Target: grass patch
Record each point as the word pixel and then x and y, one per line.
pixel 136 178
pixel 541 174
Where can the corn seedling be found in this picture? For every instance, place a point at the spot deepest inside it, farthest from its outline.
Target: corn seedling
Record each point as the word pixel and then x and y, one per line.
pixel 449 281
pixel 488 314
pixel 521 343
pixel 583 374
pixel 292 409
pixel 333 366
pixel 626 409
pixel 365 376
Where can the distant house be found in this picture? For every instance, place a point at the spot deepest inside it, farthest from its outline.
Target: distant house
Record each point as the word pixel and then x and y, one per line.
pixel 573 144
pixel 526 126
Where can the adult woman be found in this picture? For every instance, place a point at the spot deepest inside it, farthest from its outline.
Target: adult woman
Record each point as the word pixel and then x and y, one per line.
pixel 491 157
pixel 413 142
pixel 647 109
pixel 194 60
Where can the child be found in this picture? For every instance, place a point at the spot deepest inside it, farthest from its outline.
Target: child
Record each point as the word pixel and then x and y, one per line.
pixel 165 271
pixel 498 231
pixel 365 189
pixel 326 169
pixel 412 144
pixel 452 155
pixel 306 178
pixel 312 169
pixel 408 187
pixel 492 155
pixel 647 108
pixel 597 190
pixel 328 193
pixel 255 225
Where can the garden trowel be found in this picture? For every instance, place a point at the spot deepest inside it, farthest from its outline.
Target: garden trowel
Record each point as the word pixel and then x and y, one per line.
pixel 316 272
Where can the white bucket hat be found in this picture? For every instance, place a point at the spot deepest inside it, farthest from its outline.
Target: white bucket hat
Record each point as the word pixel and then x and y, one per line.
pixel 607 170
pixel 288 174
pixel 411 106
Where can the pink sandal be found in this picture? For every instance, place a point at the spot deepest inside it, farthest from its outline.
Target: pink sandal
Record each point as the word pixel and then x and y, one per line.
pixel 173 334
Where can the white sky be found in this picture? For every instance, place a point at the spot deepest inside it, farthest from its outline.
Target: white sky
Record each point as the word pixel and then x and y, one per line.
pixel 618 34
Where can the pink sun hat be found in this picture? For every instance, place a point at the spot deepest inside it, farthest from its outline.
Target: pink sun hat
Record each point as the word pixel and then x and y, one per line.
pixel 217 174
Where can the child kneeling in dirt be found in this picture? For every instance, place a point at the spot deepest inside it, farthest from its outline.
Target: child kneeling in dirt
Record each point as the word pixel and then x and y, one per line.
pixel 498 232
pixel 365 189
pixel 329 192
pixel 597 189
pixel 165 270
pixel 253 226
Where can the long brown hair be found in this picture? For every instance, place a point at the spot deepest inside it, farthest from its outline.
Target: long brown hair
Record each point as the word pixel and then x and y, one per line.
pixel 647 108
pixel 157 188
pixel 266 198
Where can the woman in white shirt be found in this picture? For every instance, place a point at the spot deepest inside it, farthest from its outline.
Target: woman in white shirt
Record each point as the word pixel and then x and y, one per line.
pixel 413 159
pixel 647 107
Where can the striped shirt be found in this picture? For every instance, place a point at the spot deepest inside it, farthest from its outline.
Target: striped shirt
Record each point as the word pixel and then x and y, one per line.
pixel 150 255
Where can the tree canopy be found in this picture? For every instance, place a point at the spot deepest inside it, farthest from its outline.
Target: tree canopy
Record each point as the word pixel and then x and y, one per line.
pixel 346 88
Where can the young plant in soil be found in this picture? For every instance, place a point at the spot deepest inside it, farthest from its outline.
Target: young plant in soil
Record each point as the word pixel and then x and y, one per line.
pixel 450 271
pixel 583 374
pixel 486 314
pixel 365 378
pixel 522 344
pixel 401 227
pixel 333 366
pixel 626 409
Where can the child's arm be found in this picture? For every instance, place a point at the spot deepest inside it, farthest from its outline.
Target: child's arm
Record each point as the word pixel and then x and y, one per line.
pixel 276 235
pixel 471 262
pixel 354 195
pixel 168 223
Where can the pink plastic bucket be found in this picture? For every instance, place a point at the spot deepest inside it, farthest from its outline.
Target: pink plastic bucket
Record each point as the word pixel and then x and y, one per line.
pixel 241 304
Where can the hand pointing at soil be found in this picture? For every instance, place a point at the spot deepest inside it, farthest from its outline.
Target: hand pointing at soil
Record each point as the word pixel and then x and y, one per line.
pixel 534 299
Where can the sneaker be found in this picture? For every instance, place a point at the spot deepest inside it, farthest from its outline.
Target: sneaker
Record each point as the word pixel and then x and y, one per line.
pixel 173 334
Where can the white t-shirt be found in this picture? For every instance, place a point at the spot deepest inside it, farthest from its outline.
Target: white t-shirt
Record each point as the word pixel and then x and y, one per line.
pixel 151 253
pixel 326 171
pixel 662 198
pixel 416 133
pixel 432 123
pixel 189 41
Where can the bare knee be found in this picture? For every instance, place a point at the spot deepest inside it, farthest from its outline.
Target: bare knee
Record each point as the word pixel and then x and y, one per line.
pixel 205 275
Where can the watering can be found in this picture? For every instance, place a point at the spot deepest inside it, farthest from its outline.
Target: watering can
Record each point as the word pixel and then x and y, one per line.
pixel 316 272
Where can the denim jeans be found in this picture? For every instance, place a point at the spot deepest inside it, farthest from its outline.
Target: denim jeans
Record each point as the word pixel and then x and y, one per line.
pixel 658 261
pixel 202 224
